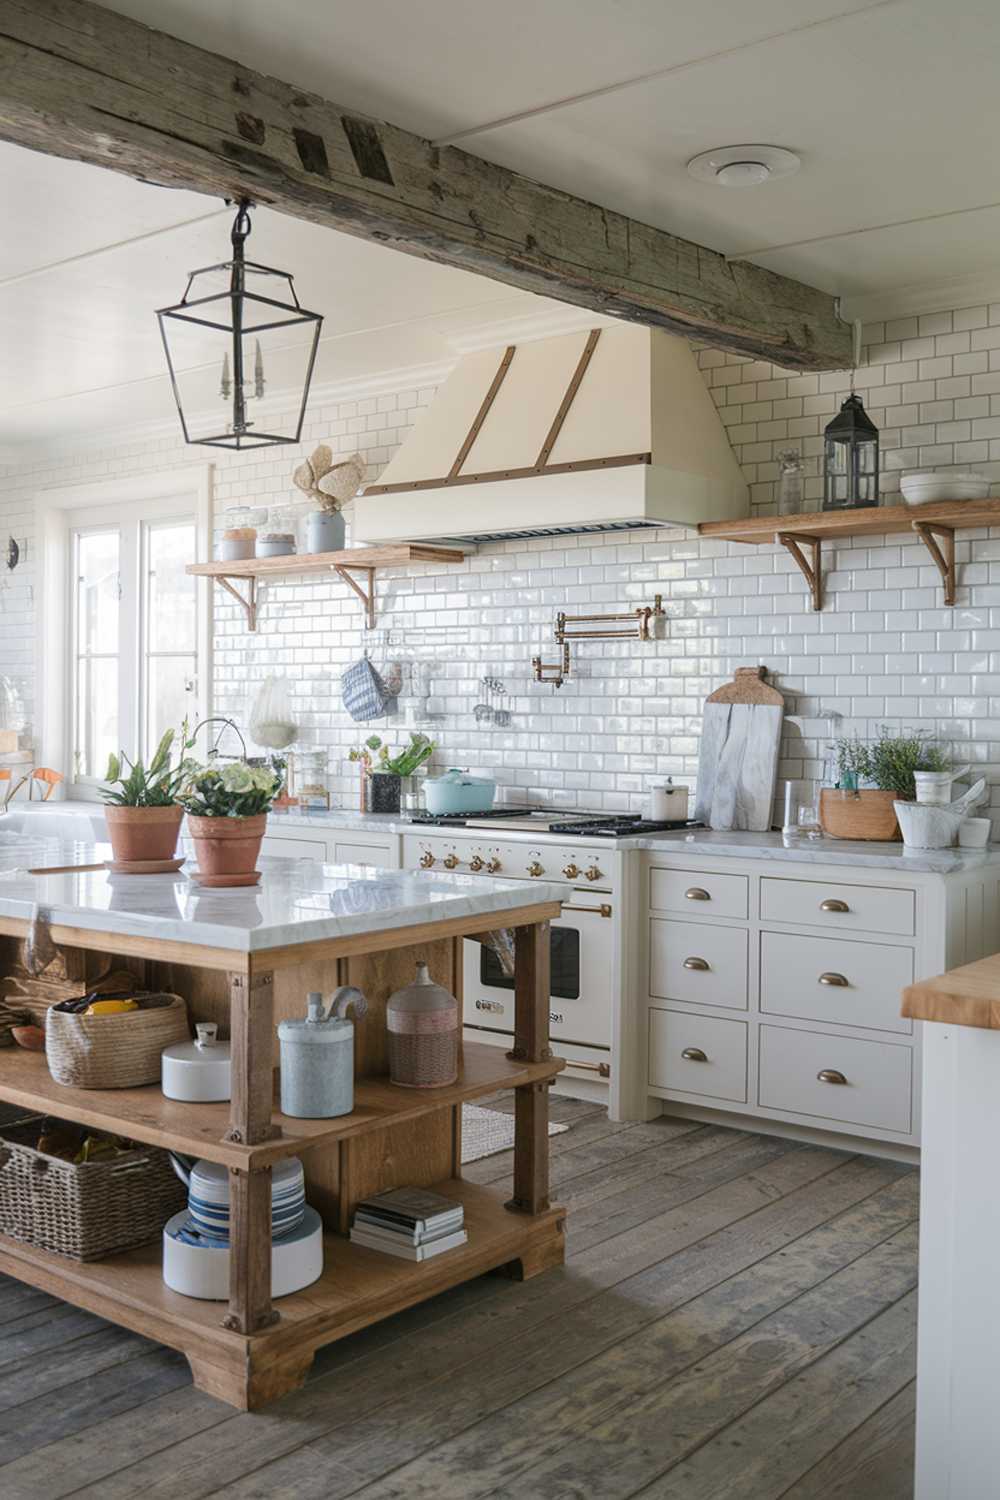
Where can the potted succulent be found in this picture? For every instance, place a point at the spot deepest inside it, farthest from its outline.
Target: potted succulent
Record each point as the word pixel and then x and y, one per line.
pixel 227 808
pixel 141 808
pixel 388 772
pixel 872 775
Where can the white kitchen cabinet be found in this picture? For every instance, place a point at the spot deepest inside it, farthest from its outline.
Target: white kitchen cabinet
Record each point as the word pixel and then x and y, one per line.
pixel 804 968
pixel 367 850
pixel 293 848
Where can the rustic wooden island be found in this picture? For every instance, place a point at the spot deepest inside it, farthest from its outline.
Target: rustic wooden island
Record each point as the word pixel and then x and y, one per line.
pixel 246 958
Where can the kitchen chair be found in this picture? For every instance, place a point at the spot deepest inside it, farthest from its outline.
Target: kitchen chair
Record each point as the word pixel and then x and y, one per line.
pixel 44 778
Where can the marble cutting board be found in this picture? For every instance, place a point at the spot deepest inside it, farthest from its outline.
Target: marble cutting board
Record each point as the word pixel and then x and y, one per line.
pixel 738 756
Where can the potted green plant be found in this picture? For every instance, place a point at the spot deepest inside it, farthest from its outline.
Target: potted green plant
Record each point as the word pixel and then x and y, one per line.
pixel 227 808
pixel 387 772
pixel 141 809
pixel 872 775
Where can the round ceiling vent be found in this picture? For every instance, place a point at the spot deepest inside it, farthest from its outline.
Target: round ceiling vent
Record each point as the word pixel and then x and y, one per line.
pixel 743 166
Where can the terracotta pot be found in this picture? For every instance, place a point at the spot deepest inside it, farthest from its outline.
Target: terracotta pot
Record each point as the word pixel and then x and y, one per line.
pixel 143 833
pixel 227 846
pixel 858 815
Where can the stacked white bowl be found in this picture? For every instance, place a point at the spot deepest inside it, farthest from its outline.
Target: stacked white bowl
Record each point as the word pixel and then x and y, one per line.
pixel 939 484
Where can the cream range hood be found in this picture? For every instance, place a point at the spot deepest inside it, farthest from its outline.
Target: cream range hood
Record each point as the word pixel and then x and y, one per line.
pixel 603 430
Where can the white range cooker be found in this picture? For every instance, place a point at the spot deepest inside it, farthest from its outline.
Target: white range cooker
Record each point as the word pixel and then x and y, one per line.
pixel 587 954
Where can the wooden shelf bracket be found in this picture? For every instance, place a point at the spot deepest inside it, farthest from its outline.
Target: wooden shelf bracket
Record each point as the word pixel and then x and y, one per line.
pixel 247 601
pixel 367 596
pixel 793 542
pixel 943 558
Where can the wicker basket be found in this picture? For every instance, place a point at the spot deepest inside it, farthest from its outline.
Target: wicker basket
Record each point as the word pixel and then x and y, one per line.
pixel 89 1210
pixel 114 1052
pixel 858 815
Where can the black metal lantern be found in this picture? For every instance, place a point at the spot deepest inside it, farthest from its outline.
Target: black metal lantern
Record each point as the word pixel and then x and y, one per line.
pixel 231 324
pixel 850 459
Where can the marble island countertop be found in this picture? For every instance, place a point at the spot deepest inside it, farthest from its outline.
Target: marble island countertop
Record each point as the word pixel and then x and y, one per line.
pixel 297 901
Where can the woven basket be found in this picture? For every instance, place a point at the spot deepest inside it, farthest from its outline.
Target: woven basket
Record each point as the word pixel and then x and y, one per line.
pixel 88 1211
pixel 114 1052
pixel 858 815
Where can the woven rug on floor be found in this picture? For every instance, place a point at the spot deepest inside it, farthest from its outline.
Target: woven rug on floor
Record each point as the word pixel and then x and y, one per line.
pixel 486 1132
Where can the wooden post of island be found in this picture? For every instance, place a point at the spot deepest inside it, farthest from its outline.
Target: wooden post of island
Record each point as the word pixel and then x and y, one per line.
pixel 247 963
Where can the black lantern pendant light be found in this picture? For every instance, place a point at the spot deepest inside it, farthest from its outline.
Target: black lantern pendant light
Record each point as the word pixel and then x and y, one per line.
pixel 216 338
pixel 850 452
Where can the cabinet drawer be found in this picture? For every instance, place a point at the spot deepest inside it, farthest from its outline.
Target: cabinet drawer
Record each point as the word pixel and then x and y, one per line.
pixel 697 894
pixel 361 854
pixel 877 1087
pixel 828 979
pixel 293 848
pixel 695 961
pixel 718 1068
pixel 842 908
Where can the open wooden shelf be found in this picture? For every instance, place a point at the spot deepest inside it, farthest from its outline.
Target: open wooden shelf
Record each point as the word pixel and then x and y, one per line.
pixel 934 524
pixel 365 560
pixel 144 1114
pixel 358 1286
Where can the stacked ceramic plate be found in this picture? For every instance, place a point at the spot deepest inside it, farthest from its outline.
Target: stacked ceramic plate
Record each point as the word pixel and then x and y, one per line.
pixel 208 1199
pixel 939 484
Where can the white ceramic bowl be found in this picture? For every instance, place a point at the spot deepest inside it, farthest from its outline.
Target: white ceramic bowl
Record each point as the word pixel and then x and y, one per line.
pixel 203 1270
pixel 927 486
pixel 974 833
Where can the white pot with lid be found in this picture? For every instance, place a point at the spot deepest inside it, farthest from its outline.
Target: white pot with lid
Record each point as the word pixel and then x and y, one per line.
pixel 199 1071
pixel 668 803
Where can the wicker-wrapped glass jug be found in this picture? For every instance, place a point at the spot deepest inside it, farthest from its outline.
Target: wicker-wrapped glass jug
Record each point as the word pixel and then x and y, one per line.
pixel 422 1020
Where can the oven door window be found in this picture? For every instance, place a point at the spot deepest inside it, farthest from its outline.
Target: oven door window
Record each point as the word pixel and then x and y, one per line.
pixel 564 947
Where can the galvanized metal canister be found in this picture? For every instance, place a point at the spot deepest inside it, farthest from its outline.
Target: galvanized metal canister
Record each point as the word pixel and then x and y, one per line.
pixel 317 1057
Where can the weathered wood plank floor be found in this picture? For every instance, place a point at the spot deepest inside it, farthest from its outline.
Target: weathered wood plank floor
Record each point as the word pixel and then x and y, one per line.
pixel 736 1321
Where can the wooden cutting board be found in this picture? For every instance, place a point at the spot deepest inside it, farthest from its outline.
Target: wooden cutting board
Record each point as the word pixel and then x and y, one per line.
pixel 738 758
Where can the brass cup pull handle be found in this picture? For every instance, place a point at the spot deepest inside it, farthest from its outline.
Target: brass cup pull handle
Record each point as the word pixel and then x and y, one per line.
pixel 832 903
pixel 701 964
pixel 695 893
pixel 830 1075
pixel 837 981
pixel 694 1054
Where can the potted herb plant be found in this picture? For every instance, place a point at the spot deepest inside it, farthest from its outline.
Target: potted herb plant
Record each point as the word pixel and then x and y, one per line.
pixel 141 808
pixel 387 772
pixel 872 775
pixel 227 808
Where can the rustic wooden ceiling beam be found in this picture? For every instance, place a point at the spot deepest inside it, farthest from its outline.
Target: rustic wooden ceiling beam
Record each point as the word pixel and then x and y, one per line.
pixel 80 81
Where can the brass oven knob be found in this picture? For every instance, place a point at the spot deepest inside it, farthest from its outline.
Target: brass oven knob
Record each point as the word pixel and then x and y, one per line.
pixel 571 871
pixel 451 861
pixel 593 873
pixel 535 868
pixel 493 866
pixel 426 860
pixel 694 1054
pixel 476 863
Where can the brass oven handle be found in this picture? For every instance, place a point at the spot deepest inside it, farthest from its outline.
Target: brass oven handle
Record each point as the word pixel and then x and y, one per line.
pixel 694 1054
pixel 604 910
pixel 604 1069
pixel 833 904
pixel 838 981
pixel 695 893
pixel 830 1075
pixel 697 963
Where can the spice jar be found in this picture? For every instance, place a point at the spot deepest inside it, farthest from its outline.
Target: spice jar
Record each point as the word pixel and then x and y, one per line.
pixel 422 1021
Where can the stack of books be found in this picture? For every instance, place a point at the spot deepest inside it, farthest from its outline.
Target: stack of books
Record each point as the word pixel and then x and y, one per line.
pixel 409 1222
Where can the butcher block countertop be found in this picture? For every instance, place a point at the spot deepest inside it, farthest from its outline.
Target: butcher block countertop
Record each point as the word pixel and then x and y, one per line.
pixel 968 996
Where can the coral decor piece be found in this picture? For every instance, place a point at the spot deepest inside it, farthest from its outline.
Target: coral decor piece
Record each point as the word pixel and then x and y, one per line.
pixel 331 484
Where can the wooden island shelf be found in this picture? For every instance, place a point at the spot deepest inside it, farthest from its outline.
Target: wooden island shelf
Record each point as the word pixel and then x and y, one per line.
pixel 352 560
pixel 934 524
pixel 253 1351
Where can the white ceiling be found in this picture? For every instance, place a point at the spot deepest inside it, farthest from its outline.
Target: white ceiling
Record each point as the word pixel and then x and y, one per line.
pixel 892 105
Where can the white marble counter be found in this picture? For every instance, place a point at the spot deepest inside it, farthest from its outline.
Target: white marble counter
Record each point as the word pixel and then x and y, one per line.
pixel 823 851
pixel 297 901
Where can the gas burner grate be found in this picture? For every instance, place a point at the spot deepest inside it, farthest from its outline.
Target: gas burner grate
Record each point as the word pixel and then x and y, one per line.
pixel 619 828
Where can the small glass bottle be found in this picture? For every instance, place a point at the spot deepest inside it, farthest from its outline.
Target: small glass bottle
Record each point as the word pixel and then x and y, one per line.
pixel 791 466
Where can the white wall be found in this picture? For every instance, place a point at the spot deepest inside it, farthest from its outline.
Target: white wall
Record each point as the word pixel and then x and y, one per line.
pixel 884 648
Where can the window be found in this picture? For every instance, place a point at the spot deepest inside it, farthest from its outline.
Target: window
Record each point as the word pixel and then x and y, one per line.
pixel 124 633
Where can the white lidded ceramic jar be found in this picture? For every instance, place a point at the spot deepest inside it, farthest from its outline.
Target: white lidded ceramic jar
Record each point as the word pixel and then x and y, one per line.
pixel 668 803
pixel 198 1071
pixel 422 1021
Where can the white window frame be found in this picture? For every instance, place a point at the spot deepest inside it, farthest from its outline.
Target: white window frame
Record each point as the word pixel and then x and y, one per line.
pixel 58 513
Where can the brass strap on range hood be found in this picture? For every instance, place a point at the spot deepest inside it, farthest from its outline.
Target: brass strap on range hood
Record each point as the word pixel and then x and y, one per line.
pixel 541 464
